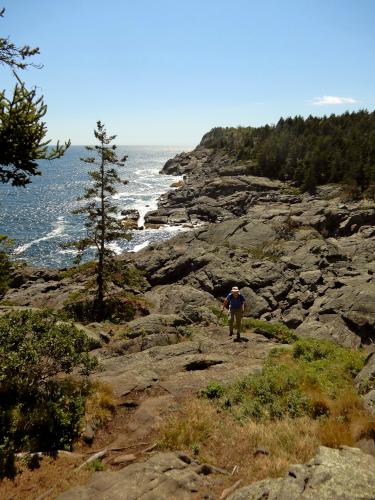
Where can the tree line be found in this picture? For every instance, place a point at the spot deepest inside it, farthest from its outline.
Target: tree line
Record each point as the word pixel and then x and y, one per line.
pixel 307 151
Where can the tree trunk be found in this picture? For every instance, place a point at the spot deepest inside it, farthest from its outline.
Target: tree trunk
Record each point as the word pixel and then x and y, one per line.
pixel 100 278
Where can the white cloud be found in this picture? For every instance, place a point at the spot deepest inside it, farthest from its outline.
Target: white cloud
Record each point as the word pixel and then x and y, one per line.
pixel 331 99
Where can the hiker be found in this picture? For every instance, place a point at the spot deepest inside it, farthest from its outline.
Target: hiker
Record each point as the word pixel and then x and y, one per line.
pixel 236 302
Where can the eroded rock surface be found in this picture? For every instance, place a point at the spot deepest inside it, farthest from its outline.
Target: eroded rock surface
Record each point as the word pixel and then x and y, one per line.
pixel 163 476
pixel 344 474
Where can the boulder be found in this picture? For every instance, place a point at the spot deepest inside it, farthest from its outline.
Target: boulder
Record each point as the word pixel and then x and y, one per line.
pixel 369 401
pixel 174 299
pixel 294 316
pixel 255 304
pixel 344 474
pixel 153 323
pixel 311 278
pixel 366 377
pixel 329 327
pixel 130 213
pixel 27 274
pixel 355 303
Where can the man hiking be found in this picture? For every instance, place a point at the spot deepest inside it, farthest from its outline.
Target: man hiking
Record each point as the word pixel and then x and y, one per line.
pixel 236 302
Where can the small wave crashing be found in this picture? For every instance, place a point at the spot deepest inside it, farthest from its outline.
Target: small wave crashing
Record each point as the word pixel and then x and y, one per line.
pixel 56 232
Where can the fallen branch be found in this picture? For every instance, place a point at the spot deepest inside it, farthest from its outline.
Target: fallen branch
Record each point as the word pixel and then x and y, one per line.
pixel 150 448
pixel 99 454
pixel 23 454
pixel 122 448
pixel 45 494
pixel 230 490
pixel 235 470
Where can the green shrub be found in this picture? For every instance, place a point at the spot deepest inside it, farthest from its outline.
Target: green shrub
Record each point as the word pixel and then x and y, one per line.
pixel 311 379
pixel 124 275
pixel 87 268
pixel 40 405
pixel 119 307
pixel 96 465
pixel 213 390
pixel 5 264
pixel 222 316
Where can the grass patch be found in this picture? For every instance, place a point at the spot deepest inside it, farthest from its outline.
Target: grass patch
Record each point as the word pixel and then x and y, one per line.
pixel 313 379
pixel 96 465
pixel 7 302
pixel 274 330
pixel 271 330
pixel 289 189
pixel 303 398
pixel 222 316
pixel 85 268
pixel 202 430
pixel 100 404
pixel 268 250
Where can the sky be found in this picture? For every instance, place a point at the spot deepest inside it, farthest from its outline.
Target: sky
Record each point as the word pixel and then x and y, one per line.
pixel 167 71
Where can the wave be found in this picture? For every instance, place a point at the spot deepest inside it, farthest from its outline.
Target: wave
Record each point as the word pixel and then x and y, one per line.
pixel 57 231
pixel 139 247
pixel 115 247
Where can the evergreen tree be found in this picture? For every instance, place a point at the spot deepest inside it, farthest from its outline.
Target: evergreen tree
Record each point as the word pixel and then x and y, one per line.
pixel 309 151
pixel 22 130
pixel 102 224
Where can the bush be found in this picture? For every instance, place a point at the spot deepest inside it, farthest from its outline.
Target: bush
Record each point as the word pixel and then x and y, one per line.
pixel 310 380
pixel 41 409
pixel 119 307
pixel 213 390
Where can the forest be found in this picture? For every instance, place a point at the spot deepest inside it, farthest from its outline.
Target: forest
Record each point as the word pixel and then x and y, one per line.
pixel 306 151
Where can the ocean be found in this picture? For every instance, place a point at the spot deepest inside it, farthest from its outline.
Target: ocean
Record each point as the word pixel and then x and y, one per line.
pixel 39 216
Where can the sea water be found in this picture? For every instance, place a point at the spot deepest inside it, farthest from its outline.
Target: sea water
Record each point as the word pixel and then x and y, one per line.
pixel 39 216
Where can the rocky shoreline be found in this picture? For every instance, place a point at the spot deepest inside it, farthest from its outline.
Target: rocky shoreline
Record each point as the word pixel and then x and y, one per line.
pixel 303 260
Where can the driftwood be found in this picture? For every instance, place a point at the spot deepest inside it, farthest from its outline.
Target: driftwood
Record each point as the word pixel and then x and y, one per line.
pixel 99 454
pixel 150 448
pixel 121 448
pixel 230 490
pixel 47 453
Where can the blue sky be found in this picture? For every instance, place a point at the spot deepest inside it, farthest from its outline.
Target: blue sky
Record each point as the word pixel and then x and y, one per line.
pixel 167 71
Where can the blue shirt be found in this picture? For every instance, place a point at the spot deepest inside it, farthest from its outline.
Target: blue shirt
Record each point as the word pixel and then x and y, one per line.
pixel 235 303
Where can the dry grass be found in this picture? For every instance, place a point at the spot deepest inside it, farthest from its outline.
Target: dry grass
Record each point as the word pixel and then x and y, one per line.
pixel 219 439
pixel 51 478
pixel 100 405
pixel 303 398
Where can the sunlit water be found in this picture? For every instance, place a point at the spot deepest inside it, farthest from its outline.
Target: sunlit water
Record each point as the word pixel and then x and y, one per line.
pixel 39 216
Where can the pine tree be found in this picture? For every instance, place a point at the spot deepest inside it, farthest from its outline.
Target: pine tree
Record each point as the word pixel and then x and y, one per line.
pixel 102 224
pixel 22 130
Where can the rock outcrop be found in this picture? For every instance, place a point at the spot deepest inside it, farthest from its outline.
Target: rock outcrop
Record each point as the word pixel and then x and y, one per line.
pixel 347 474
pixel 163 476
